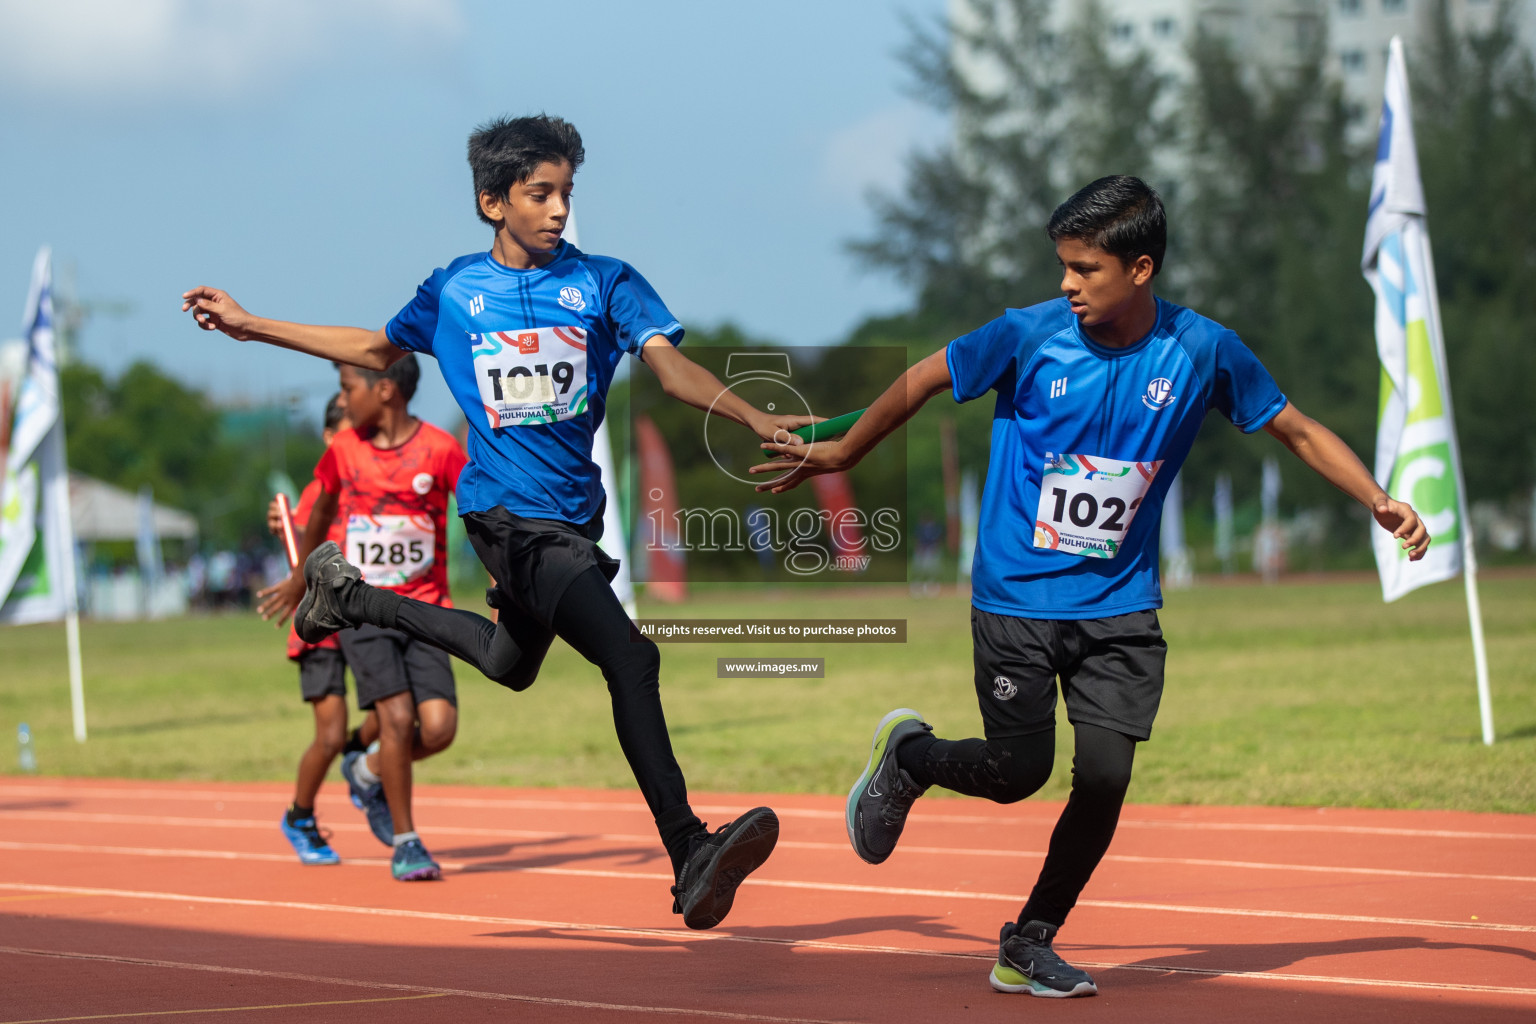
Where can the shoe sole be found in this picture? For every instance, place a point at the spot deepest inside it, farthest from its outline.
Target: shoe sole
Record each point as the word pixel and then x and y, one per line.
pixel 748 844
pixel 1034 988
pixel 876 755
pixel 427 874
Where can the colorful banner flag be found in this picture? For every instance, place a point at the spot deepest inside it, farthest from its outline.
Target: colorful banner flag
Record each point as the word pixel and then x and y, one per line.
pixel 1416 456
pixel 36 544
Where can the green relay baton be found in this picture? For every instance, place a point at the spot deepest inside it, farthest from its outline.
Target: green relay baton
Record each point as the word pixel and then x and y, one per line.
pixel 826 430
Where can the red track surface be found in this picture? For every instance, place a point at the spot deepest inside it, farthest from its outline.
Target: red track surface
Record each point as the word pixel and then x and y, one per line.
pixel 181 901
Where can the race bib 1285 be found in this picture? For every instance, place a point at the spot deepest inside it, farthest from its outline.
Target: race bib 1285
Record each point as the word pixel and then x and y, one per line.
pixel 1087 503
pixel 392 550
pixel 533 376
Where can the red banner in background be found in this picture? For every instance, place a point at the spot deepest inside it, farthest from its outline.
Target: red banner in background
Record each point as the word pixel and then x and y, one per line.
pixel 834 492
pixel 666 575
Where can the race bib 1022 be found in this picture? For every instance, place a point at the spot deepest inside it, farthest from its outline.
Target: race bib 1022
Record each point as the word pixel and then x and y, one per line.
pixel 530 377
pixel 1087 503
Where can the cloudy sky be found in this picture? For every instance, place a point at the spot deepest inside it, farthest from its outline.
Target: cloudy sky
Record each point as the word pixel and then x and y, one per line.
pixel 308 155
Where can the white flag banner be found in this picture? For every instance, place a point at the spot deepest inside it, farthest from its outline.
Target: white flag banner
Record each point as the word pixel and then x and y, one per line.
pixel 37 543
pixel 1416 455
pixel 36 583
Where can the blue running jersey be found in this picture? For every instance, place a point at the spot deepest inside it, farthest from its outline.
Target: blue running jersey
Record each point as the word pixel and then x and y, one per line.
pixel 529 356
pixel 1085 444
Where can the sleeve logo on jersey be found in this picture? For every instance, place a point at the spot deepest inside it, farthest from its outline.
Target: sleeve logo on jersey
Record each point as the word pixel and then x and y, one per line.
pixel 1159 394
pixel 421 483
pixel 570 298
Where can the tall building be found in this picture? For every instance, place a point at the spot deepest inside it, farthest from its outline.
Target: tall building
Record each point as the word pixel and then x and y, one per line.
pixel 1269 34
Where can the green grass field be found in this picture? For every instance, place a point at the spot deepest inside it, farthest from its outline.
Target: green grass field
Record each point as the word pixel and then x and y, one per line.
pixel 1303 694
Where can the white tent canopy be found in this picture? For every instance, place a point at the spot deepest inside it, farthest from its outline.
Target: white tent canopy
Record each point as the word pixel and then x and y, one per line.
pixel 100 512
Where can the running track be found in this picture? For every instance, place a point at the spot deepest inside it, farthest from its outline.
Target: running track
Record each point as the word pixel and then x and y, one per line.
pixel 128 900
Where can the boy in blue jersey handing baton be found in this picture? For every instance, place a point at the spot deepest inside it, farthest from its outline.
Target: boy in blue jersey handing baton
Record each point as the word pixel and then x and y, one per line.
pixel 1099 396
pixel 528 336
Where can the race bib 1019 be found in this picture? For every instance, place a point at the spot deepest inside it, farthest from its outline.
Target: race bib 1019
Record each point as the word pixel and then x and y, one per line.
pixel 1087 503
pixel 391 550
pixel 530 377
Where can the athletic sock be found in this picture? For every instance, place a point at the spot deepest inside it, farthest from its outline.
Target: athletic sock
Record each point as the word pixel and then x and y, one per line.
pixel 401 838
pixel 371 604
pixel 678 826
pixel 364 775
pixel 297 813
pixel 354 742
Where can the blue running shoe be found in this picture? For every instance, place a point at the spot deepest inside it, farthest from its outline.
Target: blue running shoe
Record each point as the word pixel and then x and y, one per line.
pixel 308 841
pixel 412 863
pixel 370 800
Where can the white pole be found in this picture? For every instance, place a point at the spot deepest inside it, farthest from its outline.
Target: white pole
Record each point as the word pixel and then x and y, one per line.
pixel 66 526
pixel 1468 551
pixel 76 676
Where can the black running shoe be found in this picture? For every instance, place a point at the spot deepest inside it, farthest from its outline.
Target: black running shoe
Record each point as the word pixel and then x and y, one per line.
pixel 1027 963
pixel 326 574
pixel 880 799
pixel 718 862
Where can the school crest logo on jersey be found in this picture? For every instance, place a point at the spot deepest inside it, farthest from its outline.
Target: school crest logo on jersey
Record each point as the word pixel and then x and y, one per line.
pixel 570 298
pixel 1159 394
pixel 1004 688
pixel 421 483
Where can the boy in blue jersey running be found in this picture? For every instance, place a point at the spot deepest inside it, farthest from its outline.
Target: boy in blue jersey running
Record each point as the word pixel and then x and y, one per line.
pixel 528 336
pixel 1099 397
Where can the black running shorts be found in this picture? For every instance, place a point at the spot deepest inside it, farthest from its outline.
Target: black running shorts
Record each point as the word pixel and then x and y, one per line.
pixel 385 662
pixel 534 560
pixel 1111 671
pixel 322 673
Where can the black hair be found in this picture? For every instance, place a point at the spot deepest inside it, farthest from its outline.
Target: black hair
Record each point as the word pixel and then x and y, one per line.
pixel 507 150
pixel 334 413
pixel 405 372
pixel 1120 214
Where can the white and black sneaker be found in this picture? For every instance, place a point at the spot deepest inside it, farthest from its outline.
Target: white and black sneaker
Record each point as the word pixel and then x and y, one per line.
pixel 881 797
pixel 718 862
pixel 320 612
pixel 1027 963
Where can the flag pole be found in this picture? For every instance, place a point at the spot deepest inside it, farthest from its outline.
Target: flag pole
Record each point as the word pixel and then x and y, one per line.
pixel 1468 548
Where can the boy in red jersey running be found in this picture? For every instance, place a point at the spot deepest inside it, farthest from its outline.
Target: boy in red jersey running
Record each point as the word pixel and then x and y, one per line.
pixel 386 484
pixel 322 681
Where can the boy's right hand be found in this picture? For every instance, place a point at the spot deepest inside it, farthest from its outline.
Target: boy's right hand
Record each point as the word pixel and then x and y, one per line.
pixel 214 310
pixel 274 518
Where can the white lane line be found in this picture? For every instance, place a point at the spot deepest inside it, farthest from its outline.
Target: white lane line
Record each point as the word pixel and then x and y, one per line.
pixel 634 806
pixel 222 1009
pixel 81 817
pixel 873 890
pixel 671 934
pixel 424 990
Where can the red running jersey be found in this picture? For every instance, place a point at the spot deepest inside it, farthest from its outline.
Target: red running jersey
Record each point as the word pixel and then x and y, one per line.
pixel 301 513
pixel 393 508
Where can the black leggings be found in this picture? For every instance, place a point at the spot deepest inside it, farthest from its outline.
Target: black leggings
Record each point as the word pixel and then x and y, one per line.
pixel 590 618
pixel 1010 769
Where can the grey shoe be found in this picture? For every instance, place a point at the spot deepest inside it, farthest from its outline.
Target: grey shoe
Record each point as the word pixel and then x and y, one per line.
pixel 326 574
pixel 718 862
pixel 1027 963
pixel 879 801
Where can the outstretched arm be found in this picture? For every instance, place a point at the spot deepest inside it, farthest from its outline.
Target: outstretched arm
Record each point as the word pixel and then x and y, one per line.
pixel 900 402
pixel 685 380
pixel 214 310
pixel 1332 459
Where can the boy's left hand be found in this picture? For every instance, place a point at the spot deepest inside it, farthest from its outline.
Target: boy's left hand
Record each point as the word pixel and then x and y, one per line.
pixel 280 599
pixel 1404 524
